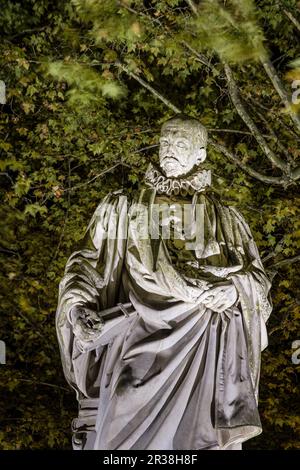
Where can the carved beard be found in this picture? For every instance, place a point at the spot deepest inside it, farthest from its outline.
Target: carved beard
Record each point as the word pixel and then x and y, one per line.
pixel 199 155
pixel 177 166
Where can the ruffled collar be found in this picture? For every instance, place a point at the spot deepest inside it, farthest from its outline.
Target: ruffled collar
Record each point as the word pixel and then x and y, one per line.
pixel 194 183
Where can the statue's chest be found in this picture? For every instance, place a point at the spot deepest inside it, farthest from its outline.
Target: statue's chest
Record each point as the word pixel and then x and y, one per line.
pixel 176 221
pixel 184 231
pixel 175 217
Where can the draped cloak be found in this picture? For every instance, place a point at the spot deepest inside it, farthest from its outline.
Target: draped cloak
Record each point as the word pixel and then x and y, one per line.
pixel 179 376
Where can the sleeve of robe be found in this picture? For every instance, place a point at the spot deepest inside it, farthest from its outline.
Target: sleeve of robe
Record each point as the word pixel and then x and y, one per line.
pixel 253 287
pixel 247 273
pixel 92 279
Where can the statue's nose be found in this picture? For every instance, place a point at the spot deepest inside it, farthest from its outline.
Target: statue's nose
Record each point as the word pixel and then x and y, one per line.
pixel 169 150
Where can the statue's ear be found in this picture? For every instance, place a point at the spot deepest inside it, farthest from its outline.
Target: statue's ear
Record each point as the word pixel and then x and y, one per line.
pixel 201 155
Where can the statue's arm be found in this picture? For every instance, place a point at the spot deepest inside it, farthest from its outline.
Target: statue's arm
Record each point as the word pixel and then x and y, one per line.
pixel 79 287
pixel 244 276
pixel 251 281
pixel 95 264
pixel 91 279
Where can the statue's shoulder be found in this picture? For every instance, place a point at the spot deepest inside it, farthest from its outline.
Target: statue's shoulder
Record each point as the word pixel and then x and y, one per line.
pixel 113 204
pixel 215 195
pixel 237 219
pixel 226 205
pixel 113 198
pixel 117 194
pixel 240 219
pixel 112 201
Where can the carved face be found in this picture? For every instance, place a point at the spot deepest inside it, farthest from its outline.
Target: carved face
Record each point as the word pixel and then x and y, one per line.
pixel 180 149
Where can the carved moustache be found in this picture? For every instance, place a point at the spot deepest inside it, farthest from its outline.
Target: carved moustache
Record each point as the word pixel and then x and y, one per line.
pixel 169 159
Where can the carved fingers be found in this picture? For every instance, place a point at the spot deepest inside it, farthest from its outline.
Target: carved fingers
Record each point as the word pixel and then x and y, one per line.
pixel 219 298
pixel 85 322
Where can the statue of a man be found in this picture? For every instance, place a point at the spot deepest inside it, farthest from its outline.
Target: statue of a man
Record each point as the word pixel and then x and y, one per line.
pixel 162 311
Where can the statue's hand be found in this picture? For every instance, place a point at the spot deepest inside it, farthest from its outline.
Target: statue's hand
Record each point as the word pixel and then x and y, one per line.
pixel 86 323
pixel 219 298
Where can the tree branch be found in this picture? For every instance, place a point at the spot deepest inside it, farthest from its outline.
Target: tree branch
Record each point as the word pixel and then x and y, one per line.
pixel 284 262
pixel 282 148
pixel 201 57
pixel 46 384
pixel 274 180
pixel 192 7
pixel 95 177
pixel 292 18
pixel 27 31
pixel 295 174
pixel 233 90
pixel 148 87
pixel 232 131
pixel 272 74
pixel 275 114
pixel 282 181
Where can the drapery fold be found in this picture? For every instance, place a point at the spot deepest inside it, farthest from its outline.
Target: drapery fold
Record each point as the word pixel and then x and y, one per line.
pixel 179 376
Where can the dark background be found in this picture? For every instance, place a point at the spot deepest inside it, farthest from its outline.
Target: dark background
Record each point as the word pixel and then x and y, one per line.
pixel 77 125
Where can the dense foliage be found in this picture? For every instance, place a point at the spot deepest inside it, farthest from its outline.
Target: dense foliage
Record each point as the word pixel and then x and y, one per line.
pixel 88 84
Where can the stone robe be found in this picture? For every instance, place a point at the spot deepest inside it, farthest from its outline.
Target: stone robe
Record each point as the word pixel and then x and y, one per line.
pixel 177 375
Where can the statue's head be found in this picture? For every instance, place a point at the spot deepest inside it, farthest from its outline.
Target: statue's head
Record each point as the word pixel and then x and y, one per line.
pixel 183 143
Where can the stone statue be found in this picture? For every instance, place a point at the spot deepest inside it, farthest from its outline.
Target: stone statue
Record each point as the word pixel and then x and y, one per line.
pixel 162 310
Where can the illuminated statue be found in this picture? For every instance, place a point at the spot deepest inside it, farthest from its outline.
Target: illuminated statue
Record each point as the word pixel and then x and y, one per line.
pixel 162 311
